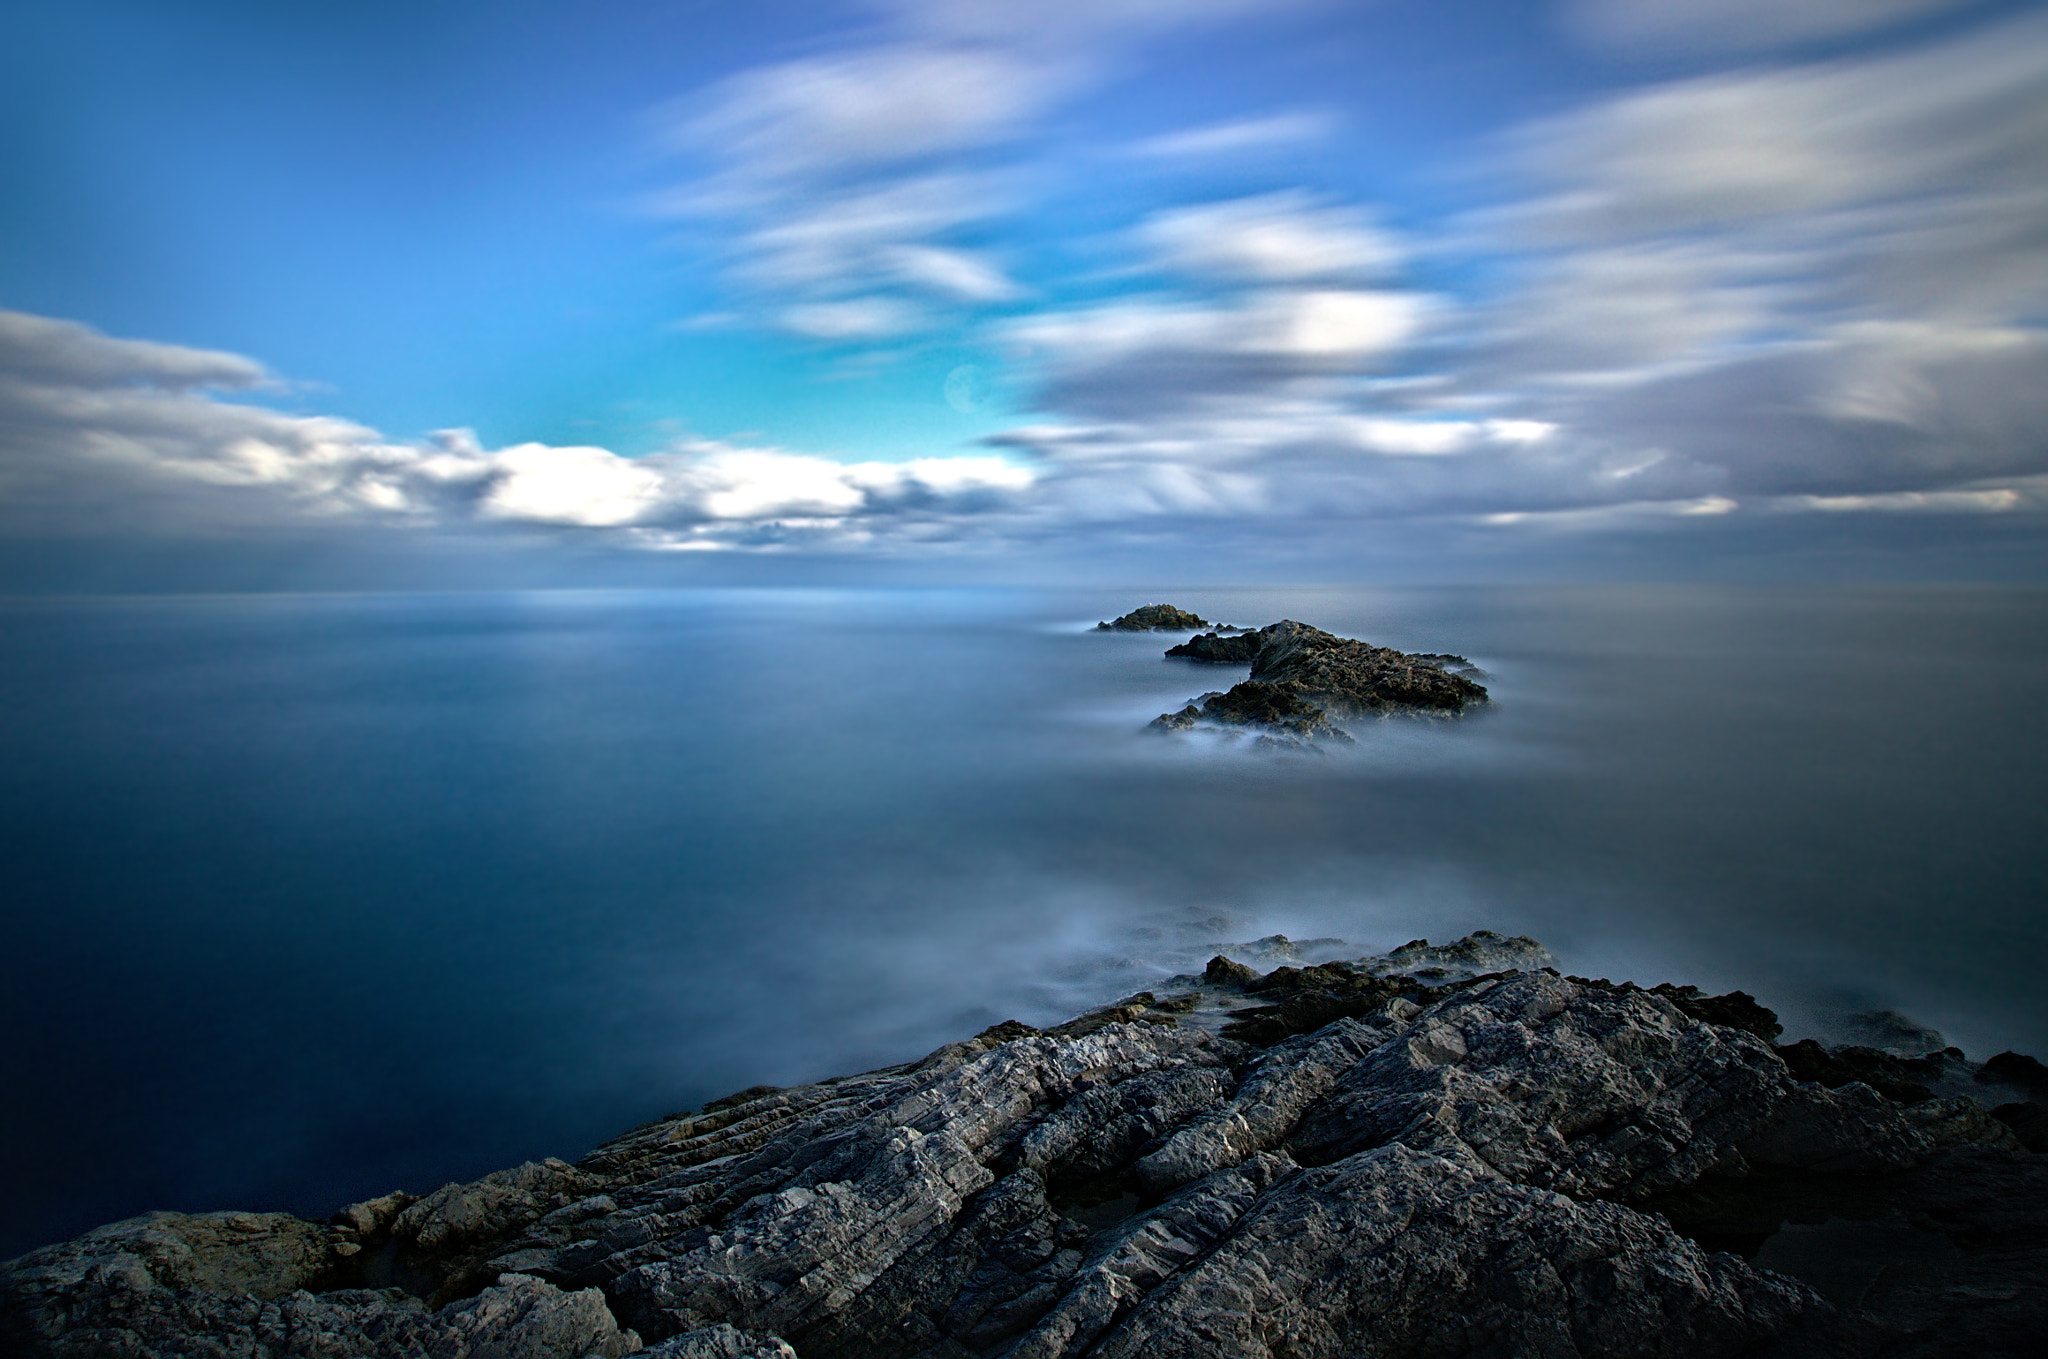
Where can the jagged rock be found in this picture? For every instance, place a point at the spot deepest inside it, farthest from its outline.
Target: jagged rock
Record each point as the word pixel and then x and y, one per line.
pixel 453 1235
pixel 1898 1078
pixel 1363 1257
pixel 1477 954
pixel 1302 677
pixel 523 1316
pixel 1223 972
pixel 1472 1158
pixel 121 1312
pixel 1235 648
pixel 721 1342
pixel 1269 707
pixel 1156 618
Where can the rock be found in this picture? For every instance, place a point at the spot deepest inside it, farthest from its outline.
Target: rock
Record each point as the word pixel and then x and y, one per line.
pixel 2015 1069
pixel 523 1316
pixel 1223 972
pixel 1302 678
pixel 721 1342
pixel 1448 1149
pixel 1220 648
pixel 1156 618
pixel 1898 1078
pixel 118 1315
pixel 1477 954
pixel 59 1289
pixel 1889 1031
pixel 2028 1121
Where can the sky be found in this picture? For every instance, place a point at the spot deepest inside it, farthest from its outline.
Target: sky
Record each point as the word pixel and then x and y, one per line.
pixel 475 293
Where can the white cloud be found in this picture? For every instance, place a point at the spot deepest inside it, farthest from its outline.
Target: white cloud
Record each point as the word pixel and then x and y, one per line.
pixel 1308 325
pixel 1910 502
pixel 1276 238
pixel 589 487
pixel 858 318
pixel 1237 137
pixel 958 274
pixel 119 437
pixel 826 115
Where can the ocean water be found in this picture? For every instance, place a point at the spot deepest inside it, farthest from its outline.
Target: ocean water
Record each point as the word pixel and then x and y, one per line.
pixel 308 898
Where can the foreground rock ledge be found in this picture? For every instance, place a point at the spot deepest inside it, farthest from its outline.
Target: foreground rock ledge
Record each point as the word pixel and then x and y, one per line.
pixel 1388 1157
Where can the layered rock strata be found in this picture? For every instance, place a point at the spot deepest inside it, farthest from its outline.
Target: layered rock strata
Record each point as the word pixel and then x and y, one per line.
pixel 1444 1151
pixel 1303 679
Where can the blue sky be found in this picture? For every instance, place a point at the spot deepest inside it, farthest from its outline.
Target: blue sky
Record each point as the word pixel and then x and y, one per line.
pixel 948 280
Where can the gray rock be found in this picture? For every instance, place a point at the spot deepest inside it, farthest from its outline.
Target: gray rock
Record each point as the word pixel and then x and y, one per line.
pixel 1474 1161
pixel 721 1342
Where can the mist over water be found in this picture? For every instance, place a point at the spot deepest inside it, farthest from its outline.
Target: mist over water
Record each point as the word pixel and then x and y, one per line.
pixel 317 897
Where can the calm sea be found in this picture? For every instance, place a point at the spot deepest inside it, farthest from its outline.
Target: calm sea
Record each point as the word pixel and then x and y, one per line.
pixel 311 898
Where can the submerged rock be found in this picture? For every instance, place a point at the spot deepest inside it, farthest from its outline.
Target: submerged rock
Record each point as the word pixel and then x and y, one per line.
pixel 1302 678
pixel 1449 1149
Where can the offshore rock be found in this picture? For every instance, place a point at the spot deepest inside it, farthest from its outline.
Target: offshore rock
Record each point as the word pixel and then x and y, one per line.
pixel 1302 678
pixel 1158 618
pixel 1475 1155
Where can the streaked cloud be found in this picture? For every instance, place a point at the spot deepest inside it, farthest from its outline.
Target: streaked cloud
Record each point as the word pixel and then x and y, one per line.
pixel 1277 238
pixel 1666 26
pixel 1237 137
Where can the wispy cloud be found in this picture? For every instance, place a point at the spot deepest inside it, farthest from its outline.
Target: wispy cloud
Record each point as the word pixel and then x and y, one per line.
pixel 1237 137
pixel 1665 26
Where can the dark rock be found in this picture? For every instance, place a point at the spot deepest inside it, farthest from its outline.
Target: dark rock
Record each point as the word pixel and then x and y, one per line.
pixel 1354 678
pixel 1223 649
pixel 1425 1158
pixel 2028 1121
pixel 1735 1010
pixel 2016 1069
pixel 1156 618
pixel 1223 972
pixel 1265 706
pixel 1890 1031
pixel 1302 678
pixel 1898 1078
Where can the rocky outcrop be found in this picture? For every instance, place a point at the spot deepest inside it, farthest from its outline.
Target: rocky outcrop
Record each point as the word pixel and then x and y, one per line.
pixel 1444 1150
pixel 1158 618
pixel 1303 678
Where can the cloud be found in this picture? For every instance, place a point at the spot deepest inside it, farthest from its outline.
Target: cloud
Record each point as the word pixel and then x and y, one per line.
pixel 826 116
pixel 1665 26
pixel 1277 238
pixel 859 318
pixel 958 274
pixel 41 349
pixel 856 172
pixel 1822 280
pixel 1237 137
pixel 107 436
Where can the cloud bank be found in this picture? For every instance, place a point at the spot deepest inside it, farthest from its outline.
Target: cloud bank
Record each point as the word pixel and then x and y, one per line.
pixel 1815 289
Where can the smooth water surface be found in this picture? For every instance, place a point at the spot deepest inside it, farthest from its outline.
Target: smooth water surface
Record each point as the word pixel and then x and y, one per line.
pixel 310 898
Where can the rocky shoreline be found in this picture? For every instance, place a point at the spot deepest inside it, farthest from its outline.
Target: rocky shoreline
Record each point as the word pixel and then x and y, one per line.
pixel 1304 679
pixel 1444 1150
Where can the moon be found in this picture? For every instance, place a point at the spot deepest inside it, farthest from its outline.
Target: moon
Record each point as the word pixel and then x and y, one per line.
pixel 967 388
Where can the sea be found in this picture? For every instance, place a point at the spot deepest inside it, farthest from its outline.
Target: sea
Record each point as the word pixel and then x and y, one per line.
pixel 312 897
